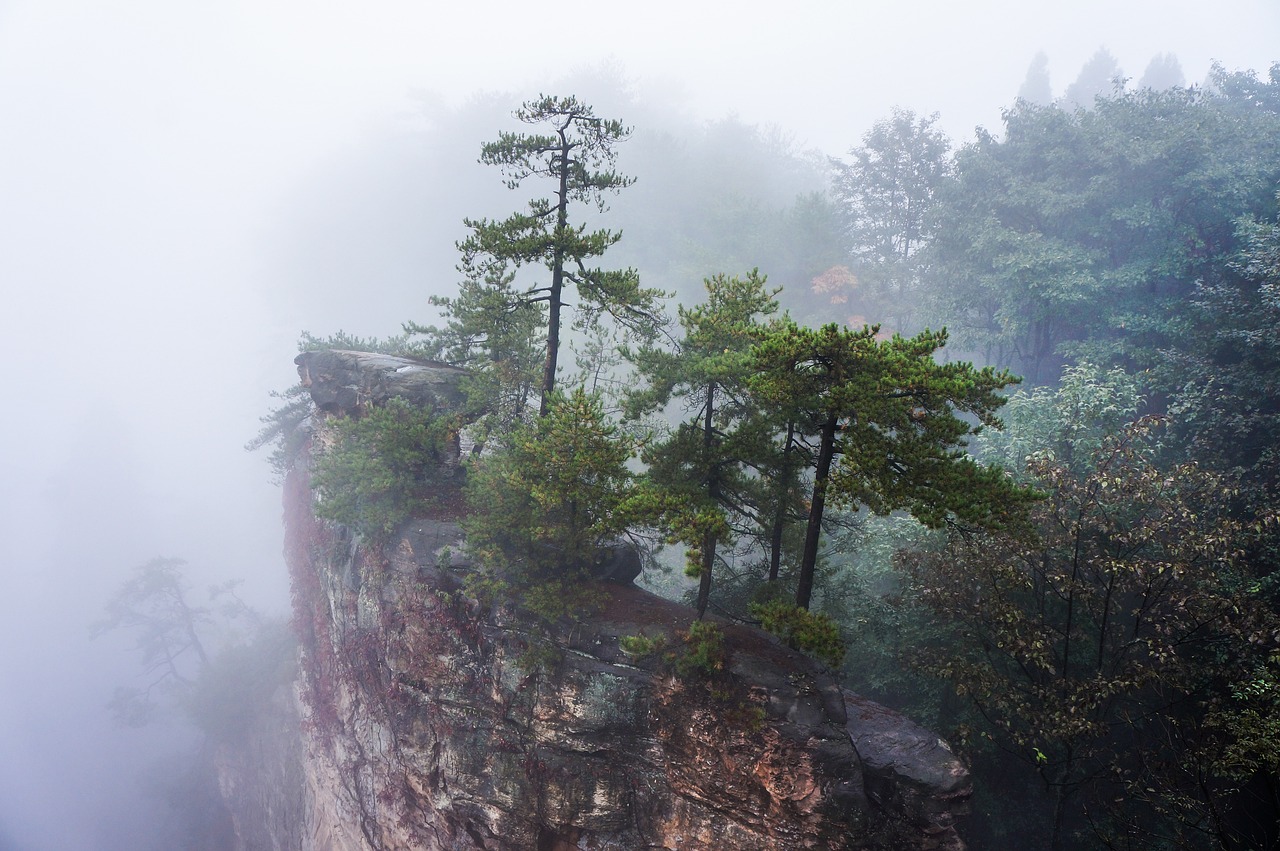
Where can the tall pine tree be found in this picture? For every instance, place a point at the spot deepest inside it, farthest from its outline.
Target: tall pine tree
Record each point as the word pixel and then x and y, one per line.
pixel 703 464
pixel 575 152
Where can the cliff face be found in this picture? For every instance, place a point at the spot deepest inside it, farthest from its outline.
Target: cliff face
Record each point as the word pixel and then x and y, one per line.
pixel 431 721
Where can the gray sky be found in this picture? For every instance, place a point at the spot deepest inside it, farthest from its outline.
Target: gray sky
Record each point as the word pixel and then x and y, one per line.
pixel 151 150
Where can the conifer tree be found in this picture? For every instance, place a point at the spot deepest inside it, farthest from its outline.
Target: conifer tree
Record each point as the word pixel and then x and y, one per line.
pixel 703 464
pixel 546 502
pixel 884 417
pixel 576 153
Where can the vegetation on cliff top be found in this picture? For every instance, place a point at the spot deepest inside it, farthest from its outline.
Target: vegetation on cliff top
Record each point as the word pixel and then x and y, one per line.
pixel 1093 616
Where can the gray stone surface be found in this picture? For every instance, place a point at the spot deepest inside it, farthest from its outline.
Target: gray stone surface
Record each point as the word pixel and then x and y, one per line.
pixel 347 382
pixel 908 769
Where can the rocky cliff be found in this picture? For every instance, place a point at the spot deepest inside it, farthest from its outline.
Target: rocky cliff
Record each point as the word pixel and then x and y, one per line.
pixel 430 720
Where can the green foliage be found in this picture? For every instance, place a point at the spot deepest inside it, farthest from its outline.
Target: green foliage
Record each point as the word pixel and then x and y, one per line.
pixel 400 345
pixel 704 468
pixel 545 502
pixel 1066 424
pixel 385 466
pixel 1083 233
pixel 890 424
pixel 1249 721
pixel 285 426
pixel 496 321
pixel 1225 399
pixel 713 355
pixel 878 608
pixel 887 195
pixel 556 599
pixel 703 654
pixel 486 587
pixel 539 656
pixel 813 633
pixel 1091 641
pixel 640 646
pixel 494 331
pixel 1244 92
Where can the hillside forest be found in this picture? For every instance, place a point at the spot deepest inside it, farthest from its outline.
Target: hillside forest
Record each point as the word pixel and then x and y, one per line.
pixel 989 427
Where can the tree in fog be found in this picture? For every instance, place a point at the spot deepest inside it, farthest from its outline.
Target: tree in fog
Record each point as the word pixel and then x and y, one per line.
pixel 1163 72
pixel 703 466
pixel 154 606
pixel 1227 398
pixel 886 195
pixel 495 318
pixel 186 647
pixel 545 503
pixel 1098 78
pixel 1082 233
pixel 1244 91
pixel 1114 647
pixel 886 426
pixel 1035 88
pixel 216 662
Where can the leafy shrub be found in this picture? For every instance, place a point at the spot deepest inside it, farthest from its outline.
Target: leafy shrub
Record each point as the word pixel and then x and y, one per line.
pixel 553 600
pixel 539 657
pixel 385 466
pixel 640 646
pixel 284 426
pixel 813 633
pixel 703 651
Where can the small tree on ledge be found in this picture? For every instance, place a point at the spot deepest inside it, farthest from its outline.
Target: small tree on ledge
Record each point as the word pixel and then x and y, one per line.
pixel 543 505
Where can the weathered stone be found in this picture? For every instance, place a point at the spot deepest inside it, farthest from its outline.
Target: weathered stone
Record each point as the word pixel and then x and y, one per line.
pixel 618 562
pixel 343 382
pixel 909 770
pixel 451 725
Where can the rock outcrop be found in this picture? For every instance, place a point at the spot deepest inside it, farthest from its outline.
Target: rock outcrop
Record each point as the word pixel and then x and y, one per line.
pixel 432 720
pixel 344 382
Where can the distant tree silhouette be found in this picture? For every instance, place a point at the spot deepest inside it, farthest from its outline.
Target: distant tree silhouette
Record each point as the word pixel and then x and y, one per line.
pixel 1098 77
pixel 1035 88
pixel 1163 72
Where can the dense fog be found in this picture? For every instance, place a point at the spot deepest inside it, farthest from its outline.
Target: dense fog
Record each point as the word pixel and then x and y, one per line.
pixel 184 190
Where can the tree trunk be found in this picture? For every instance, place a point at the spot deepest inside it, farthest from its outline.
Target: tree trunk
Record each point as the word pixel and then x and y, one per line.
pixel 189 623
pixel 808 562
pixel 1060 804
pixel 704 580
pixel 708 537
pixel 780 510
pixel 557 282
